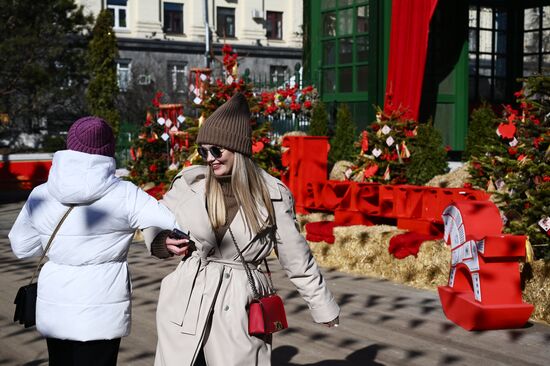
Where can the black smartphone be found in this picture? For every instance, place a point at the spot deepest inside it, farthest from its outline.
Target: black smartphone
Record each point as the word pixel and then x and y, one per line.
pixel 178 234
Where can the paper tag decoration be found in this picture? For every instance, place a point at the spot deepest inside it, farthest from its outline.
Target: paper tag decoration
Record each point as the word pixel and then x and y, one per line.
pixel 174 129
pixel 161 121
pixel 229 79
pixel 197 100
pixel 376 152
pixel 544 223
pixel 203 77
pixel 191 88
pixel 390 141
pixel 514 142
pixel 165 136
pixel 386 129
pixel 168 123
pixel 181 118
pixel 347 173
pixel 499 184
pixel 483 290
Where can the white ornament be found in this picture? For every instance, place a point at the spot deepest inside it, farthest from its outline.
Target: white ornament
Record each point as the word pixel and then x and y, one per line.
pixel 544 223
pixel 181 118
pixel 386 129
pixel 229 79
pixel 165 136
pixel 161 121
pixel 390 141
pixel 203 77
pixel 197 92
pixel 168 122
pixel 376 152
pixel 191 87
pixel 197 100
pixel 514 142
pixel 174 129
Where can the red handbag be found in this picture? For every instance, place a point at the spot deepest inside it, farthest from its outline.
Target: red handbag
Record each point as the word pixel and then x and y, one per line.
pixel 266 314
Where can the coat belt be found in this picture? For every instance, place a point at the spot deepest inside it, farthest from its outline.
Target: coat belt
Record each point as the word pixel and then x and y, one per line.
pixel 193 295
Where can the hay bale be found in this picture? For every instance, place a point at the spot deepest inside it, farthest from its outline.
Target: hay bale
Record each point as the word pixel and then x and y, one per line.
pixel 536 288
pixel 453 179
pixel 338 172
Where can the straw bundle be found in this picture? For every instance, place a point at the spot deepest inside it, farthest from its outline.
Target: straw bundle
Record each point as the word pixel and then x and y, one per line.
pixel 536 288
pixel 453 179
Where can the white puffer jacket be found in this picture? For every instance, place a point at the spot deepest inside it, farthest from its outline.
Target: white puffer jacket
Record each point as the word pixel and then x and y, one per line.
pixel 84 289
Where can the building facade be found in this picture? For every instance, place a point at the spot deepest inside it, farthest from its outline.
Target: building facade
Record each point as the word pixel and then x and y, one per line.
pixel 473 50
pixel 160 41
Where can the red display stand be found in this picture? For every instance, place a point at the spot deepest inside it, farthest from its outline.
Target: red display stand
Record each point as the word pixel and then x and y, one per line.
pixel 306 160
pixel 484 285
pixel 23 172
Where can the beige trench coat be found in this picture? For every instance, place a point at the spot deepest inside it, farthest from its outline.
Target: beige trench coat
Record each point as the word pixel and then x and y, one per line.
pixel 204 301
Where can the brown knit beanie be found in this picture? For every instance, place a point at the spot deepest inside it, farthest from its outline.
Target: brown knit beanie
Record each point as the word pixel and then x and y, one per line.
pixel 229 126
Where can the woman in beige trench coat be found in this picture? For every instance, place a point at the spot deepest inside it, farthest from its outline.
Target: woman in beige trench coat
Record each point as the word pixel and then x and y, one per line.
pixel 202 308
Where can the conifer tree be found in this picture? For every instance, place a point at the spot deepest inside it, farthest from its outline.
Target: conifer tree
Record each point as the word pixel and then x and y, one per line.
pixel 318 125
pixel 428 156
pixel 481 131
pixel 342 144
pixel 516 169
pixel 103 88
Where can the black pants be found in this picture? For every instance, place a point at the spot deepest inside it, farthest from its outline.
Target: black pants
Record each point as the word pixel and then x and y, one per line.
pixel 74 353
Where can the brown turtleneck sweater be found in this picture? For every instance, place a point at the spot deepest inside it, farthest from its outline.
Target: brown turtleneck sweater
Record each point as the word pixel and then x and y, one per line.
pixel 158 246
pixel 231 205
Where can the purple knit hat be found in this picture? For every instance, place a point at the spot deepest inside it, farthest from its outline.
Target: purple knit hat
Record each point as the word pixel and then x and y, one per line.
pixel 91 135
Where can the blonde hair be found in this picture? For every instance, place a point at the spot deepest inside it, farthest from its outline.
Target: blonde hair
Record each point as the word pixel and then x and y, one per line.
pixel 250 191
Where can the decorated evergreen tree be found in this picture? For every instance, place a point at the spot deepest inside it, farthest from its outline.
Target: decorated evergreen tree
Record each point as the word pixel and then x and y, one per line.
pixel 103 88
pixel 318 125
pixel 517 168
pixel 385 148
pixel 481 131
pixel 342 145
pixel 428 156
pixel 163 146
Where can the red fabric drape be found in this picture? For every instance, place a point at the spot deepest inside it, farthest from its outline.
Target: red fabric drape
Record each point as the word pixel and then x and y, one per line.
pixel 410 24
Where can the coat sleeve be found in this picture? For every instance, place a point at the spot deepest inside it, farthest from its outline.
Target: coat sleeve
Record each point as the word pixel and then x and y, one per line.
pixel 24 238
pixel 150 215
pixel 298 262
pixel 155 236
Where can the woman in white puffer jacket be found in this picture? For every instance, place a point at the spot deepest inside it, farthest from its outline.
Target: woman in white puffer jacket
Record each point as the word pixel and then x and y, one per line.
pixel 84 290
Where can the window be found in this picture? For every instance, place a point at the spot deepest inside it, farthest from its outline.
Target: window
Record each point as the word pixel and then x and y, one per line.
pixel 176 76
pixel 536 40
pixel 277 74
pixel 345 46
pixel 274 25
pixel 123 74
pixel 488 62
pixel 225 22
pixel 173 18
pixel 118 11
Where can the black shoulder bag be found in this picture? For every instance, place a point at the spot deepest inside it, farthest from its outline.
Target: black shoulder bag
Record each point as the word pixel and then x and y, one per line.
pixel 25 300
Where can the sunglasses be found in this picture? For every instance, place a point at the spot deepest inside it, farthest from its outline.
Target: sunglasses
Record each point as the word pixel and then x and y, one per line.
pixel 216 151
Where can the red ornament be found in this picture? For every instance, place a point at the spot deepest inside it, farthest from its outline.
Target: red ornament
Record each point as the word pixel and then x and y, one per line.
pixel 257 146
pixel 153 168
pixel 370 171
pixel 364 142
pixel 507 130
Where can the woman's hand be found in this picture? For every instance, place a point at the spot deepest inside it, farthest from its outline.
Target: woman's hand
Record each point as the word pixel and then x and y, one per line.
pixel 333 323
pixel 177 246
